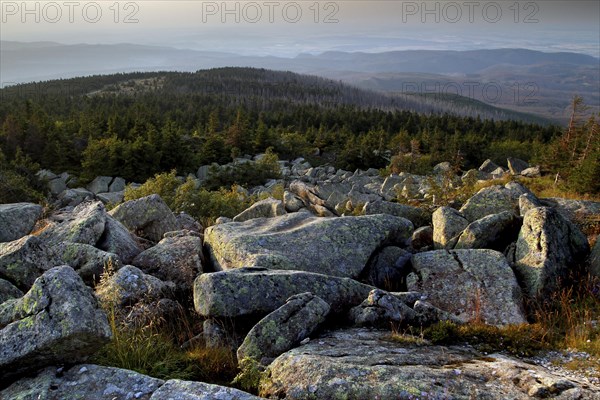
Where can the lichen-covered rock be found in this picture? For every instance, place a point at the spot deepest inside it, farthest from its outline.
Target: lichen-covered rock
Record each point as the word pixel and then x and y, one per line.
pixel 493 200
pixel 363 364
pixel 549 248
pixel 381 309
pixel 472 284
pixel 258 291
pixel 494 231
pixel 418 216
pixel 57 321
pixel 89 262
pixel 284 328
pixel 447 224
pixel 83 382
pixel 130 285
pixel 174 259
pixel 266 208
pixel 8 291
pixel 176 389
pixel 85 224
pixel 148 217
pixel 299 241
pixel 118 240
pixel 388 268
pixel 23 261
pixel 17 220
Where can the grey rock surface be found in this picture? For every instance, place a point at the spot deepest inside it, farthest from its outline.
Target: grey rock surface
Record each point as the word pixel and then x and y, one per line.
pixel 8 291
pixel 174 259
pixel 493 200
pixel 447 224
pixel 23 261
pixel 148 217
pixel 176 389
pixel 57 321
pixel 472 284
pixel 299 241
pixel 388 268
pixel 284 328
pixel 17 220
pixel 118 240
pixel 256 291
pixel 83 382
pixel 381 309
pixel 266 208
pixel 84 224
pixel 130 285
pixel 364 364
pixel 89 262
pixel 549 248
pixel 495 231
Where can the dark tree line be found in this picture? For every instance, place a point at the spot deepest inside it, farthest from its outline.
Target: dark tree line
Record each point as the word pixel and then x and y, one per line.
pixel 135 125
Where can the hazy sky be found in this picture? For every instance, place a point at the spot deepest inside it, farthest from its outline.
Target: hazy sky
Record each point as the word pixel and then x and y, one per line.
pixel 286 28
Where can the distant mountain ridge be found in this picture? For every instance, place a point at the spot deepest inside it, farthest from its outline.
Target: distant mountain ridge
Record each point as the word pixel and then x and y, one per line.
pixel 530 81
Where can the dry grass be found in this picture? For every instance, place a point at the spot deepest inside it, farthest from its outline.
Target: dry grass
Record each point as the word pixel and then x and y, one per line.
pixel 155 349
pixel 572 317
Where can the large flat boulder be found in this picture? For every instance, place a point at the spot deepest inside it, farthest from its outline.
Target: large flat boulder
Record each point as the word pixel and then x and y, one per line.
pixel 472 284
pixel 17 220
pixel 148 217
pixel 256 291
pixel 334 246
pixel 364 364
pixel 84 381
pixel 57 321
pixel 548 251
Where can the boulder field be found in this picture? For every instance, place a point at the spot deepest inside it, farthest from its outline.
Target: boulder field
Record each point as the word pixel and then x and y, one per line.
pixel 303 287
